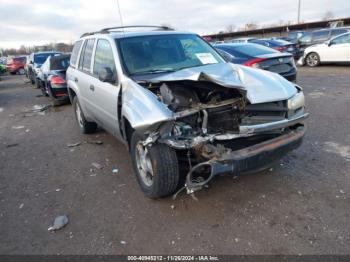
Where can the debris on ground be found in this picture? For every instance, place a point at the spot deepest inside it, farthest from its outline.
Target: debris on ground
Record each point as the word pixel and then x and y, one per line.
pixel 21 206
pixel 12 145
pixel 74 144
pixel 115 170
pixel 17 127
pixel 58 190
pixel 121 185
pixel 40 108
pixel 59 223
pixel 95 142
pixel 96 165
pixel 123 242
pixel 37 110
pixel 1 109
pixel 172 207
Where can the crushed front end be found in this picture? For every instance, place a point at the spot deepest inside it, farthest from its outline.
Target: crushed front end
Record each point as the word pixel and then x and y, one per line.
pixel 217 130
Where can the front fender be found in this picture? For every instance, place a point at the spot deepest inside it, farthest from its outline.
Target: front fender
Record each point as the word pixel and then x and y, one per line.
pixel 141 107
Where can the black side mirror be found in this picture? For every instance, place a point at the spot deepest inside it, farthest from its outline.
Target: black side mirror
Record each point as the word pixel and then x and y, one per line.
pixel 106 75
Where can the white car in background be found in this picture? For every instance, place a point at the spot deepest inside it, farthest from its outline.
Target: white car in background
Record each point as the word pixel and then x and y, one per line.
pixel 336 50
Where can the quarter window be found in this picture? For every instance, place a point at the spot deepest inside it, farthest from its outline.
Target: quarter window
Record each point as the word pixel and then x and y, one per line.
pixel 75 53
pixel 85 58
pixel 103 57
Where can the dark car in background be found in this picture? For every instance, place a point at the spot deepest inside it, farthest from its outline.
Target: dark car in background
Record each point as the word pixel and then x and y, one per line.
pixel 35 62
pixel 15 65
pixel 261 57
pixel 52 78
pixel 278 44
pixel 318 37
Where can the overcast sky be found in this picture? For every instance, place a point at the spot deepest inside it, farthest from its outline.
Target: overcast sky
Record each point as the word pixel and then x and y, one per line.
pixel 42 21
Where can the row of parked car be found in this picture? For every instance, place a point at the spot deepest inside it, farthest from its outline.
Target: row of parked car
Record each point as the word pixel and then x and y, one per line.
pixel 330 45
pixel 47 71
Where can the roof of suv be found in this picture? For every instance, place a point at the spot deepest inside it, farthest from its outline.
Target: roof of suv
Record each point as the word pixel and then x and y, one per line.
pixel 121 32
pixel 137 33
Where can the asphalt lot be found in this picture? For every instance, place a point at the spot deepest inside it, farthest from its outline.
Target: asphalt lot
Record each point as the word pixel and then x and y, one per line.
pixel 301 206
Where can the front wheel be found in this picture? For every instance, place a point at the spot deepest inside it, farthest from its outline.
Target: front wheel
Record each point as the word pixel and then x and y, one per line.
pixel 85 126
pixel 313 59
pixel 156 167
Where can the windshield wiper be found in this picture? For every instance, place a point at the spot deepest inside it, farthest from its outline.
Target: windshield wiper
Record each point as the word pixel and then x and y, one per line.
pixel 154 71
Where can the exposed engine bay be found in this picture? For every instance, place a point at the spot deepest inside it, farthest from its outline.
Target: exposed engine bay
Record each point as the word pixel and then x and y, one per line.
pixel 210 123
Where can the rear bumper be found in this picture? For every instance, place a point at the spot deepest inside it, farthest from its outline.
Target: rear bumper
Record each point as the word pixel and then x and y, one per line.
pixel 59 92
pixel 249 159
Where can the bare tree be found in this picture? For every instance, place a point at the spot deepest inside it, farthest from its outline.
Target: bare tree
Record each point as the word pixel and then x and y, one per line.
pixel 328 16
pixel 251 26
pixel 230 28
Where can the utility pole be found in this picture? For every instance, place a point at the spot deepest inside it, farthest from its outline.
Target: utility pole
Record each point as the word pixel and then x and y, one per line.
pixel 299 11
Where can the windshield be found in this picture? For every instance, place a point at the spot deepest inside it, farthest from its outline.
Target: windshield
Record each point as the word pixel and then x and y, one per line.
pixel 41 58
pixel 163 53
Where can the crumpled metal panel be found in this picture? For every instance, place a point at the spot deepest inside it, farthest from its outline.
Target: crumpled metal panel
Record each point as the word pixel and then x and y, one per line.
pixel 142 108
pixel 261 86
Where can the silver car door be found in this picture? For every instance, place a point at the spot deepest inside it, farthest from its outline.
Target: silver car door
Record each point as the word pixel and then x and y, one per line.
pixel 105 94
pixel 83 78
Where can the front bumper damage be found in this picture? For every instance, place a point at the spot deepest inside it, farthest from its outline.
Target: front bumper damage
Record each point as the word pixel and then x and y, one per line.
pixel 248 159
pixel 216 159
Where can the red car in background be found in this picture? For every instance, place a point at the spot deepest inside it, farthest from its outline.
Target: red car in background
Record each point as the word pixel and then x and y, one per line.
pixel 16 65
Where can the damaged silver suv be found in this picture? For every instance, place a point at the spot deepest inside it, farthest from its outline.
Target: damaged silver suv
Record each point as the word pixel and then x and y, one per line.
pixel 184 113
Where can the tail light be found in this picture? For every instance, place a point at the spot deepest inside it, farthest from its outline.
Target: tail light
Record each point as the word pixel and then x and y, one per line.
pixel 57 80
pixel 254 62
pixel 280 48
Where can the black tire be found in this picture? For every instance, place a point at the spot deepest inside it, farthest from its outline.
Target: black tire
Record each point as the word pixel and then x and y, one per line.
pixel 31 77
pixel 37 84
pixel 12 73
pixel 85 126
pixel 312 59
pixel 165 168
pixel 43 89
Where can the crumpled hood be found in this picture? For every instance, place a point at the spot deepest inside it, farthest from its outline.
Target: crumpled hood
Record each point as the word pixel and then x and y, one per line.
pixel 261 86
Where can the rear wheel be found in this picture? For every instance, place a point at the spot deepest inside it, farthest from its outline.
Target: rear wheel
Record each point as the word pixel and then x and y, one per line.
pixel 312 59
pixel 21 71
pixel 156 167
pixel 37 83
pixel 85 126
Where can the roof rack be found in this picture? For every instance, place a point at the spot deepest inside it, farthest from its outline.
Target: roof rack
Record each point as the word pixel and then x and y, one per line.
pixel 114 29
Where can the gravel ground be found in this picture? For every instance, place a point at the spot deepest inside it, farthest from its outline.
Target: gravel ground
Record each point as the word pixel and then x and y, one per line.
pixel 301 206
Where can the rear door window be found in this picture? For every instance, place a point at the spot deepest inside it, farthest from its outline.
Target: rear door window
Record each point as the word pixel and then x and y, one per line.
pixel 86 55
pixel 75 53
pixel 103 57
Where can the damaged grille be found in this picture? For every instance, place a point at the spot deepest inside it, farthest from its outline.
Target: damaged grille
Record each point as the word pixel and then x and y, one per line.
pixel 265 113
pixel 223 119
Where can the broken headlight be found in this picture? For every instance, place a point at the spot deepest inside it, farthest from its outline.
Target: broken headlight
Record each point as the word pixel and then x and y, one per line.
pixel 296 104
